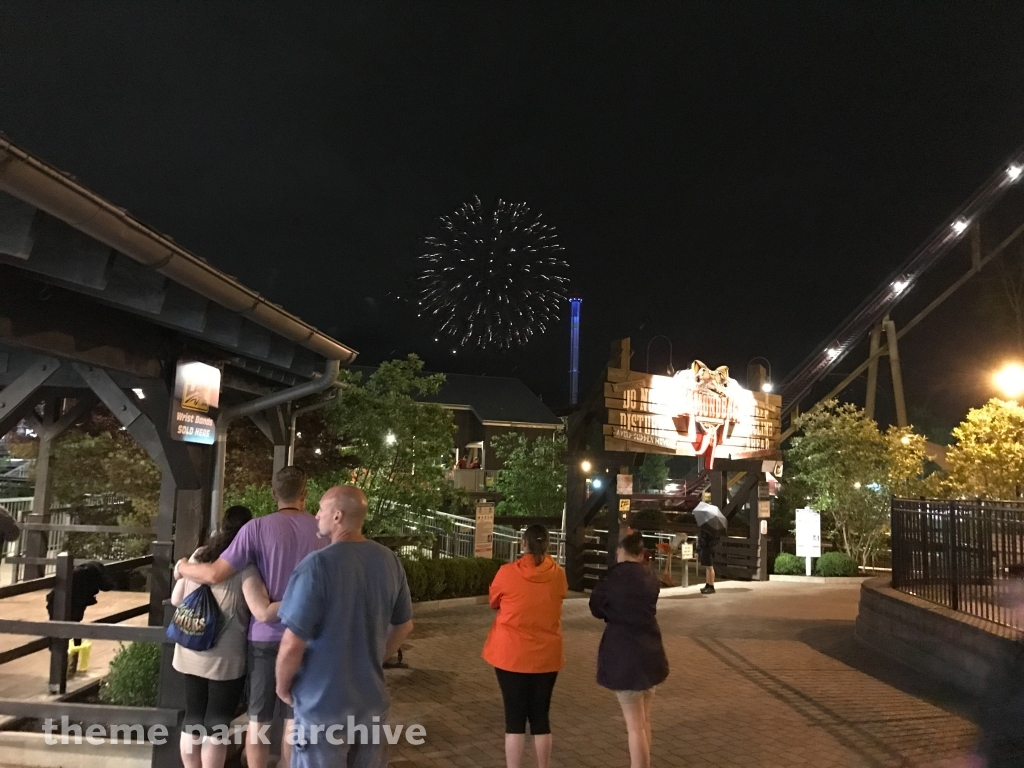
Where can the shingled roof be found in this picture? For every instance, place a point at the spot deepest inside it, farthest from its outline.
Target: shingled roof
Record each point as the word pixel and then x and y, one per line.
pixel 494 400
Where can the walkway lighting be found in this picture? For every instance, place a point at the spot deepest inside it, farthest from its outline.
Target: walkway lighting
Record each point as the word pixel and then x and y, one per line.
pixel 390 438
pixel 832 352
pixel 1010 380
pixel 1013 172
pixel 900 286
pixel 960 226
pixel 585 466
pixel 596 483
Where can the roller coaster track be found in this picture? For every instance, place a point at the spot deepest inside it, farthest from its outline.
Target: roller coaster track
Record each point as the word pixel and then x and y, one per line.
pixel 798 386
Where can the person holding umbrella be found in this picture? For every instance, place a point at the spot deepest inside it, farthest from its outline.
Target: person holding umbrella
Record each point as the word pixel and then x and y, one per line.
pixel 711 524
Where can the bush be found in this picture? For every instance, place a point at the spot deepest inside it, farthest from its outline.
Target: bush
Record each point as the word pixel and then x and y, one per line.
pixel 449 577
pixel 790 565
pixel 836 564
pixel 133 676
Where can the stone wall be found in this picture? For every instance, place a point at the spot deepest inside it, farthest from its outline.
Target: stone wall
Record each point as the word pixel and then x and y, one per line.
pixel 946 645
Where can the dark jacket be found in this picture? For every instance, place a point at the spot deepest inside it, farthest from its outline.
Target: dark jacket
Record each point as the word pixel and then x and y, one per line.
pixel 706 540
pixel 631 656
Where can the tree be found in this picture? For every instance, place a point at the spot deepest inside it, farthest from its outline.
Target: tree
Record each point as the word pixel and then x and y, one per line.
pixel 99 459
pixel 987 460
pixel 533 480
pixel 653 472
pixel 849 469
pixel 400 447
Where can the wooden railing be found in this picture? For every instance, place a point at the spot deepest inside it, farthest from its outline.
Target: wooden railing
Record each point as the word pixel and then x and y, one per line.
pixel 55 635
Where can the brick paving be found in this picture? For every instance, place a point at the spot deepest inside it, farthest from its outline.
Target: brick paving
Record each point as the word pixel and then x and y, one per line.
pixel 762 675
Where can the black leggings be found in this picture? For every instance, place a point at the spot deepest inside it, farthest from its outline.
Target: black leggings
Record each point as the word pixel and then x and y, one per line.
pixel 210 703
pixel 527 696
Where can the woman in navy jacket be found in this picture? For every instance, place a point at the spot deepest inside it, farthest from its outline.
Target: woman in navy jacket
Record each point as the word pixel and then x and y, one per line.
pixel 631 659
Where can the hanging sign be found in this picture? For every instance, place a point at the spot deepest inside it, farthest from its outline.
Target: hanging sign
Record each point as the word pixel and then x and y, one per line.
pixel 196 398
pixel 697 412
pixel 624 485
pixel 483 539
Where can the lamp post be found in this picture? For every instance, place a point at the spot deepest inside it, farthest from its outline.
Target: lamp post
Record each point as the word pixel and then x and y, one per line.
pixel 671 367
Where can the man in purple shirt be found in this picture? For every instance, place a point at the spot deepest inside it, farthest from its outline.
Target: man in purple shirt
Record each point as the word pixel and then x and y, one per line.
pixel 275 544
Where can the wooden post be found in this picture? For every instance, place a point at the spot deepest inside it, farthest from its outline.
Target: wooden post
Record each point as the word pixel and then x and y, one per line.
pixel 41 497
pixel 61 612
pixel 36 545
pixel 159 580
pixel 169 695
pixel 869 399
pixel 897 373
pixel 616 526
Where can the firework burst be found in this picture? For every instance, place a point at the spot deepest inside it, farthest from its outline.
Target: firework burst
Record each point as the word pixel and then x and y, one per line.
pixel 493 279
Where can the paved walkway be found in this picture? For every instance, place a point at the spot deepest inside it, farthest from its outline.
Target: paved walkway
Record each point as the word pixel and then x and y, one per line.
pixel 762 675
pixel 27 677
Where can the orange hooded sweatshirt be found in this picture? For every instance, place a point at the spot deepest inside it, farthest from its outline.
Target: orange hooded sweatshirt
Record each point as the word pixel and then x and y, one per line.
pixel 527 632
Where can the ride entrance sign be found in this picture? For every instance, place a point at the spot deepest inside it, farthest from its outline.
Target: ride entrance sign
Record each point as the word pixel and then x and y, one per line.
pixel 196 399
pixel 808 535
pixel 696 412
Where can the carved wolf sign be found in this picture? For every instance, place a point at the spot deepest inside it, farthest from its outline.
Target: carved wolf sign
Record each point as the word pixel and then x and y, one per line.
pixel 700 411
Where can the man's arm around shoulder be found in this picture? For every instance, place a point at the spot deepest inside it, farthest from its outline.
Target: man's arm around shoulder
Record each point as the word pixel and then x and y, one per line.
pixel 205 573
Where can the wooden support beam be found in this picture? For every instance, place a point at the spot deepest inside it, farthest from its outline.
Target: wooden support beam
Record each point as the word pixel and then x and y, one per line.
pixel 22 391
pixel 742 495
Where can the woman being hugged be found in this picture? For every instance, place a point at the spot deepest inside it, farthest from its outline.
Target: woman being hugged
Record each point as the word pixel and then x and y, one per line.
pixel 215 678
pixel 631 659
pixel 525 643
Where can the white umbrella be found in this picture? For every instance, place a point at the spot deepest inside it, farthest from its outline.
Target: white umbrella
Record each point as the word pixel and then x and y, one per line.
pixel 710 518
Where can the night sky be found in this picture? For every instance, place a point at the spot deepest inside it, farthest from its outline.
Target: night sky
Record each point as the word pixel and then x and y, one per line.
pixel 736 176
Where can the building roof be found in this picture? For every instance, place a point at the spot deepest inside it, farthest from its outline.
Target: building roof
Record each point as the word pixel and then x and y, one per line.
pixel 61 233
pixel 494 400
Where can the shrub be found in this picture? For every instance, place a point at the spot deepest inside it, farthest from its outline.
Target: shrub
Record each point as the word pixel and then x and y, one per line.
pixel 450 577
pixel 133 675
pixel 836 564
pixel 790 565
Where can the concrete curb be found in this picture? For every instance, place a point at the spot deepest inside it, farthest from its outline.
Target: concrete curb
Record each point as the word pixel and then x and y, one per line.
pixel 819 579
pixel 30 749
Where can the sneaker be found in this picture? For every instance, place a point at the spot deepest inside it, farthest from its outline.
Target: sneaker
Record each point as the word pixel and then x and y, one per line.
pixel 707 589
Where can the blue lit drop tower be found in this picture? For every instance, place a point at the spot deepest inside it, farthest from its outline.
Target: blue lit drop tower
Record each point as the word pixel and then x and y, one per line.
pixel 574 349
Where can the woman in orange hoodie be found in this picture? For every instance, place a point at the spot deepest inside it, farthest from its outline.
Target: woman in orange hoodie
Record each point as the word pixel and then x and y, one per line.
pixel 525 643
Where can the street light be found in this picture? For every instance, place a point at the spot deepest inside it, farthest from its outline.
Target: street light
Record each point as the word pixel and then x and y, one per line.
pixel 390 438
pixel 585 466
pixel 596 484
pixel 1010 380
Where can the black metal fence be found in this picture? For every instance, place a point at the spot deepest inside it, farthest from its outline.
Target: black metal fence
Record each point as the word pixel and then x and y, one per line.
pixel 957 554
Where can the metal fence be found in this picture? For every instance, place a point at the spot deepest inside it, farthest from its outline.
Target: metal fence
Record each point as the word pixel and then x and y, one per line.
pixel 59 524
pixel 454 535
pixel 957 554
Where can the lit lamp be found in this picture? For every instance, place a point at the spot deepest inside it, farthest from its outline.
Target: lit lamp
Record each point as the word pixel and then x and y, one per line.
pixel 585 466
pixel 1010 380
